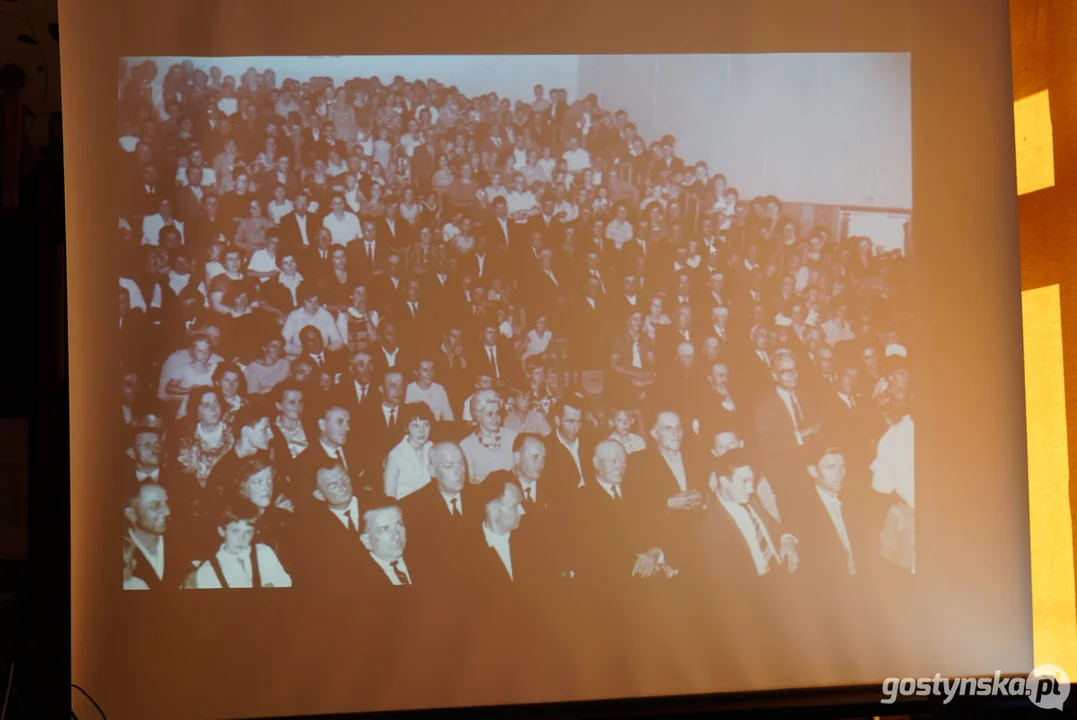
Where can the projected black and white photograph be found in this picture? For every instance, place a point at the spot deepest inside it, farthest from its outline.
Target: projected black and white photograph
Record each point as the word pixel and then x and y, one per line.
pixel 484 323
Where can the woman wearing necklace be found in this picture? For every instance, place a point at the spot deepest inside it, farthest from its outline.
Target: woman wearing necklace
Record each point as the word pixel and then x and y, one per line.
pixel 489 447
pixel 227 378
pixel 206 442
pixel 290 437
pixel 358 325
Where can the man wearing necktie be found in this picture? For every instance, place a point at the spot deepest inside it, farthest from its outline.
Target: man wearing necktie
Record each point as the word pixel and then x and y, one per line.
pixel 146 454
pixel 738 538
pixel 830 523
pixel 783 424
pixel 385 540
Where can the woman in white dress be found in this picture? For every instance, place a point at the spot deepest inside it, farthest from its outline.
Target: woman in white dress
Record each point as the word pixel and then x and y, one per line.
pixel 407 468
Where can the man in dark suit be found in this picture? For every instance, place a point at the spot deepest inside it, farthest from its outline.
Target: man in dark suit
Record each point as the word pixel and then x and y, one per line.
pixel 738 539
pixel 412 316
pixel 368 255
pixel 327 528
pixel 717 410
pixel 498 559
pixel 588 331
pixel 356 389
pixel 298 229
pixel 313 349
pixel 439 513
pixel 783 424
pixel 568 456
pixel 672 478
pixel 390 228
pixel 188 198
pixel 389 354
pixel 834 530
pixel 500 230
pixel 381 422
pixel 483 264
pixel 616 539
pixel 385 540
pixel 495 359
pixel 335 443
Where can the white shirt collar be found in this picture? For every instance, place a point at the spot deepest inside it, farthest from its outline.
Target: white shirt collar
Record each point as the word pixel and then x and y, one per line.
pixel 352 512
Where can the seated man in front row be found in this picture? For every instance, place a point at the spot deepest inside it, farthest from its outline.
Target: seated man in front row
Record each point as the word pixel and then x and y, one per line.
pixel 739 539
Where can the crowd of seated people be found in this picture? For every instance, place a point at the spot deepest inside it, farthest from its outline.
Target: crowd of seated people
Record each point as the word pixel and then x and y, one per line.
pixel 378 334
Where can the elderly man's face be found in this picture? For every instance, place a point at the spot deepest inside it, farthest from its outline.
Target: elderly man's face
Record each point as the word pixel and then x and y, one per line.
pixel 384 534
pixel 668 431
pixel 785 372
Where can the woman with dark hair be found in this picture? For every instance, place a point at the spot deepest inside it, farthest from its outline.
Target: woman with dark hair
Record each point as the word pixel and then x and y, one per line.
pixel 227 378
pixel 269 370
pixel 207 439
pixel 407 467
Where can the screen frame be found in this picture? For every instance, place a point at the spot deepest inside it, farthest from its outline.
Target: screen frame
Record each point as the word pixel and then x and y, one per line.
pixel 965 138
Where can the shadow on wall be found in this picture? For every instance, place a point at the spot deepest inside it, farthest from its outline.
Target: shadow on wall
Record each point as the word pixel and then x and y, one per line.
pixel 30 53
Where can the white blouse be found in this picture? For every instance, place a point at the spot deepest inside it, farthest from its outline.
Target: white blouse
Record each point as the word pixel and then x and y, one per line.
pixel 408 467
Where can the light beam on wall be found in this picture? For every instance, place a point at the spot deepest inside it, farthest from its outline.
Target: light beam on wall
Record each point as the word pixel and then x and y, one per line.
pixel 1054 607
pixel 1034 143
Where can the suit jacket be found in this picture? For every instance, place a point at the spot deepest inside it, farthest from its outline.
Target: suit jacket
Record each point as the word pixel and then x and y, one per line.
pixel 328 555
pixel 188 206
pixel 397 235
pixel 722 555
pixel 483 570
pixel 507 363
pixel 434 534
pixel 358 260
pixel 561 468
pixel 819 547
pixel 498 240
pixel 649 471
pixel 783 458
pixel 610 533
pixel 291 238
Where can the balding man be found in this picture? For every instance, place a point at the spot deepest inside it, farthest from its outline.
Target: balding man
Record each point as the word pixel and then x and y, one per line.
pixel 438 512
pixel 616 534
pixel 784 422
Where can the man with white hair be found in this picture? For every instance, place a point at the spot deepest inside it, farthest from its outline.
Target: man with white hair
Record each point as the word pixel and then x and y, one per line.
pixel 489 447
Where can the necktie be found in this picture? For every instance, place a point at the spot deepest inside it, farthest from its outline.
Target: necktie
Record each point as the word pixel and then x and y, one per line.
pixel 455 511
pixel 617 492
pixel 319 359
pixel 796 409
pixel 370 251
pixel 243 566
pixel 340 456
pixel 412 306
pixel 529 493
pixel 400 574
pixel 392 418
pixel 761 539
pixel 351 525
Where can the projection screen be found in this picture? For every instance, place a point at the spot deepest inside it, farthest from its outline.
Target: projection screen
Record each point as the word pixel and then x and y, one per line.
pixel 539 353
